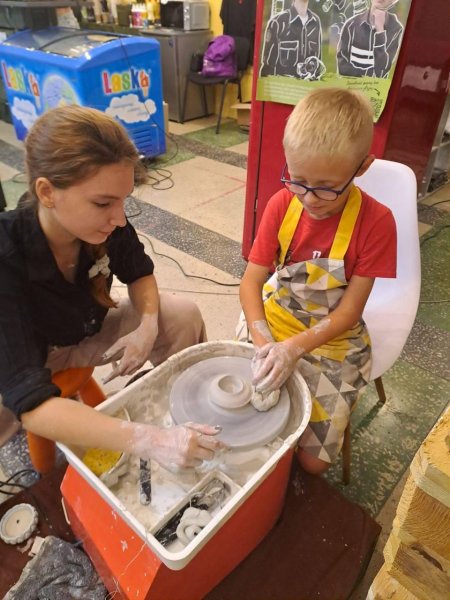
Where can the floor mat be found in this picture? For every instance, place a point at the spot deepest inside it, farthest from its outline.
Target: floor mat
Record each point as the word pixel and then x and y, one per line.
pixel 14 457
pixel 319 548
pixel 386 437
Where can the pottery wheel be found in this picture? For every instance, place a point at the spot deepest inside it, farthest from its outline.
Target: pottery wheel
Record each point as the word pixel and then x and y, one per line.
pixel 242 427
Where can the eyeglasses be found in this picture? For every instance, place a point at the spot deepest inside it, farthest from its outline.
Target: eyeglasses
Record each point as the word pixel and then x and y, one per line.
pixel 323 193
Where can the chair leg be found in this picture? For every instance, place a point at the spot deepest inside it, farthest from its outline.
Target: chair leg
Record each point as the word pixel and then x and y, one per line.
pixel 71 381
pixel 346 455
pixel 239 90
pixel 222 99
pixel 380 390
pixel 42 452
pixel 183 108
pixel 204 101
pixel 91 393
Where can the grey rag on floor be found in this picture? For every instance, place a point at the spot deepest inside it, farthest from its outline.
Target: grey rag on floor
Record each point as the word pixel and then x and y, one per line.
pixel 58 572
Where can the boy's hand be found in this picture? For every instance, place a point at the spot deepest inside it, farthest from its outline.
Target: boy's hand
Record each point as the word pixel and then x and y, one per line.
pixel 273 363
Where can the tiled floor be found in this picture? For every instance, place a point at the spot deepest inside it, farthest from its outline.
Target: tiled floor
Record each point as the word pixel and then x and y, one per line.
pixel 192 213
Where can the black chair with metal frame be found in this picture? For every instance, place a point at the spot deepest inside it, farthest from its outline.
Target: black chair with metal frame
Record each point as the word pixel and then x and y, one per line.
pixel 242 61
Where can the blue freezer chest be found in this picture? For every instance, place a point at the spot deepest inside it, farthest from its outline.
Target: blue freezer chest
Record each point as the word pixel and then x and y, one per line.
pixel 117 74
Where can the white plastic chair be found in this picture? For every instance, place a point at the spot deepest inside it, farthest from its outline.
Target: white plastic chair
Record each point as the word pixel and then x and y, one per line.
pixel 392 305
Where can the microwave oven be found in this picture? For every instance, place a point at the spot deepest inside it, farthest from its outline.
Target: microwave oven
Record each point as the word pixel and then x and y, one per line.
pixel 185 14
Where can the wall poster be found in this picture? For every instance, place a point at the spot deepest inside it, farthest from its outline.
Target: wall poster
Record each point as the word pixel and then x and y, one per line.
pixel 352 44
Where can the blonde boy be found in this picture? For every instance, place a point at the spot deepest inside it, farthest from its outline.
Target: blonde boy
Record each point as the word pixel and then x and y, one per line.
pixel 328 240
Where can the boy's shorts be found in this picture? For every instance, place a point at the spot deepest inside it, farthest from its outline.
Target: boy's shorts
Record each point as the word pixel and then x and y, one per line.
pixel 335 387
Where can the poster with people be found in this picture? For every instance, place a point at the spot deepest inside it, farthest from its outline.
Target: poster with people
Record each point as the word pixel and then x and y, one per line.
pixel 345 43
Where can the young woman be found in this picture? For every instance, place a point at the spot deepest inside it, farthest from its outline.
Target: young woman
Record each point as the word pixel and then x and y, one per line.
pixel 58 254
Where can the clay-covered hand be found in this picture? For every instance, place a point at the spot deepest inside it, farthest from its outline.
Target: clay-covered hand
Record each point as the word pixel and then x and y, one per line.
pixel 273 363
pixel 261 327
pixel 135 348
pixel 179 446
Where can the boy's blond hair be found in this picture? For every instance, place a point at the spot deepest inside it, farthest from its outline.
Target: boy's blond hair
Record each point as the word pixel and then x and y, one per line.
pixel 330 122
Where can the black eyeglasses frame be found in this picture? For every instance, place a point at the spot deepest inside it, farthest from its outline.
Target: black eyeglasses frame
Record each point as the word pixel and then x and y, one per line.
pixel 307 189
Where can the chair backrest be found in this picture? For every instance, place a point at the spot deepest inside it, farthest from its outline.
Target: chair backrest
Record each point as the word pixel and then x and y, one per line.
pixel 392 305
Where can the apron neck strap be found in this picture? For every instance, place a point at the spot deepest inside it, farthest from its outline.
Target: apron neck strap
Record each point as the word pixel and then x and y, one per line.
pixel 346 224
pixel 288 227
pixel 343 233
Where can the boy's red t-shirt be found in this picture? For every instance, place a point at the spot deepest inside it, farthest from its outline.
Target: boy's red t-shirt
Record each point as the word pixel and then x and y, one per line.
pixel 373 247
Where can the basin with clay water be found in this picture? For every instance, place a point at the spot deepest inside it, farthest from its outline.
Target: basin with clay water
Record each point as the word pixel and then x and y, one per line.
pixel 134 547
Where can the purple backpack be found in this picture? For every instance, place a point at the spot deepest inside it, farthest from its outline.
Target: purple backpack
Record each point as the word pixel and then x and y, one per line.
pixel 220 58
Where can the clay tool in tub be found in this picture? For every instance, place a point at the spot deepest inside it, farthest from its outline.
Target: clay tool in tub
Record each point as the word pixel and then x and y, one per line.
pixel 145 481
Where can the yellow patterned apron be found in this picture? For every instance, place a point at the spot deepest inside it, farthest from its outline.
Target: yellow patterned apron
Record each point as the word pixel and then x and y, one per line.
pixel 298 297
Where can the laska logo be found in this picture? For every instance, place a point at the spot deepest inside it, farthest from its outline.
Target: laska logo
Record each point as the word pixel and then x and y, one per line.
pixel 21 80
pixel 14 78
pixel 133 79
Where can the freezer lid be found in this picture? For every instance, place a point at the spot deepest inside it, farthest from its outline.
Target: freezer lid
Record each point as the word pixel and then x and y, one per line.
pixel 61 40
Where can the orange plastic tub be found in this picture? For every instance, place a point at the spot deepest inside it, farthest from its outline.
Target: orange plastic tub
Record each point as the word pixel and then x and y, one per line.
pixel 130 560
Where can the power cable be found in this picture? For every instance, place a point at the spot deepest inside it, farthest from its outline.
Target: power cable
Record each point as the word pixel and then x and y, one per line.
pixel 426 238
pixel 436 203
pixel 429 236
pixel 190 276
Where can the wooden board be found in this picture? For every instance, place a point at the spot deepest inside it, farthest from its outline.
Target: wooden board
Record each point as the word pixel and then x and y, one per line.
pixel 417 552
pixel 385 587
pixel 421 519
pixel 418 571
pixel 431 465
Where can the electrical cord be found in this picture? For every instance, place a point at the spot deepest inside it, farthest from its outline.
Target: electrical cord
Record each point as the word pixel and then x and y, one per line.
pixel 18 175
pixel 215 293
pixel 163 174
pixel 436 203
pixel 184 291
pixel 138 210
pixel 429 236
pixel 426 238
pixel 190 276
pixel 25 489
pixel 17 474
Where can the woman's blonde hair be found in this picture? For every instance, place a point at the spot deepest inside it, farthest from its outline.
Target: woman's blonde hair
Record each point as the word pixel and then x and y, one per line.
pixel 330 122
pixel 69 144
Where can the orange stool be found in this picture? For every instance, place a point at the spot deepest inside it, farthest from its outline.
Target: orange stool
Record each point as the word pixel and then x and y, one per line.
pixel 71 382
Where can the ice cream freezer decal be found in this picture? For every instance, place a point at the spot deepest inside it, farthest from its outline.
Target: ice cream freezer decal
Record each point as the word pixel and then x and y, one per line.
pixel 57 91
pixel 128 87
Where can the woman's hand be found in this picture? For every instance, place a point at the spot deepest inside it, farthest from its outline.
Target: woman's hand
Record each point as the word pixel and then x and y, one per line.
pixel 179 446
pixel 273 363
pixel 135 348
